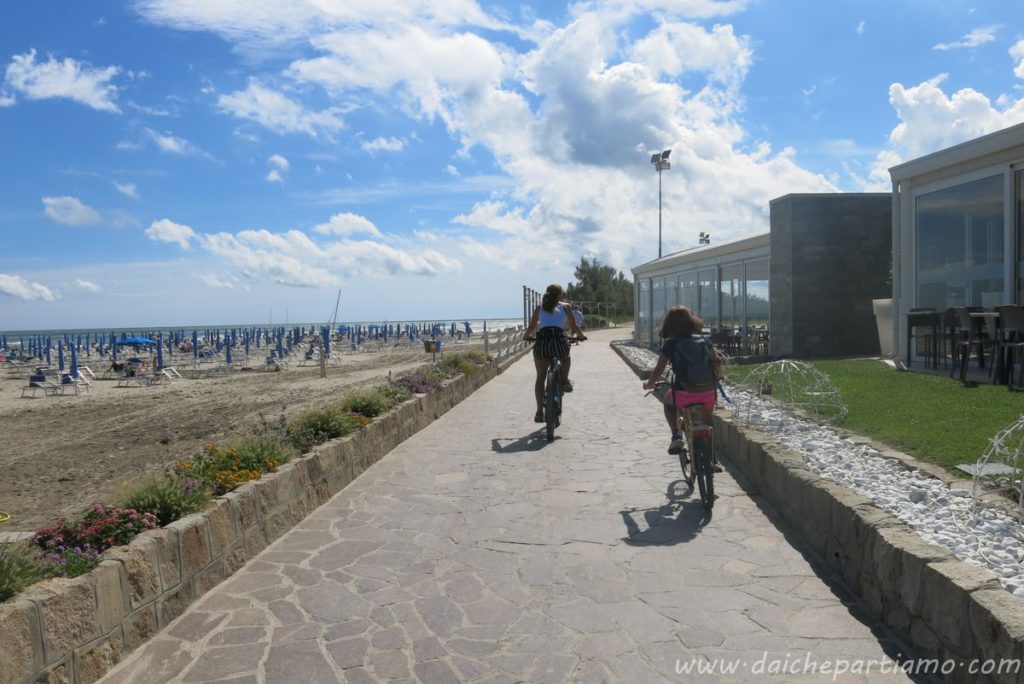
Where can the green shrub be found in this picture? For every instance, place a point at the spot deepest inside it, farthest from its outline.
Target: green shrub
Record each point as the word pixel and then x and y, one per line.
pixel 458 364
pixel 18 569
pixel 320 425
pixel 369 403
pixel 168 497
pixel 395 394
pixel 257 453
pixel 222 468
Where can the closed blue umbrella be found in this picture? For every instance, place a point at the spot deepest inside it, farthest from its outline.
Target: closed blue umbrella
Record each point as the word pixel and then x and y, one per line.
pixel 246 339
pixel 159 354
pixel 60 356
pixel 325 332
pixel 227 350
pixel 113 348
pixel 74 362
pixel 49 360
pixel 280 344
pixel 195 345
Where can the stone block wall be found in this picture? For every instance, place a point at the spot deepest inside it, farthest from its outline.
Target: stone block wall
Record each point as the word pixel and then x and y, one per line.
pixel 831 256
pixel 944 608
pixel 75 630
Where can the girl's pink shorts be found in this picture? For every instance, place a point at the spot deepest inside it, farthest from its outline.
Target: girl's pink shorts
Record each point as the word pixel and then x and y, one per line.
pixel 684 398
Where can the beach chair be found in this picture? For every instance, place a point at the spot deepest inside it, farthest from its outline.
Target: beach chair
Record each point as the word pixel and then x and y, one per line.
pixel 49 389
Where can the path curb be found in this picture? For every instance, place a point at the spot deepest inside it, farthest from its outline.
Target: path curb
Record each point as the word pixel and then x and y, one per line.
pixel 954 615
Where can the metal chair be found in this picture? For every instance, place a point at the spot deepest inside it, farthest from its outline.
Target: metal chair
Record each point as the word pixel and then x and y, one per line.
pixel 972 335
pixel 1009 344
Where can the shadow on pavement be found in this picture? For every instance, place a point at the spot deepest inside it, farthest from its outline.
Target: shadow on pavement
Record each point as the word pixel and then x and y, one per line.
pixel 675 522
pixel 534 441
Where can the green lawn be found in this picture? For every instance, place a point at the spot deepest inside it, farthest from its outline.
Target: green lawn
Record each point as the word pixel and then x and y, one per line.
pixel 933 418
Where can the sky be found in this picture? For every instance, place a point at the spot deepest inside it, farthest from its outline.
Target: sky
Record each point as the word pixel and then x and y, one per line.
pixel 191 162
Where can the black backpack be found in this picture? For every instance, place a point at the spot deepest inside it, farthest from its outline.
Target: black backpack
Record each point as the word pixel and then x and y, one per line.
pixel 693 364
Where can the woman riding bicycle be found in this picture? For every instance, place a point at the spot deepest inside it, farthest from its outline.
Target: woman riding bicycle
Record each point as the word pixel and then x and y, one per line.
pixel 551 317
pixel 695 366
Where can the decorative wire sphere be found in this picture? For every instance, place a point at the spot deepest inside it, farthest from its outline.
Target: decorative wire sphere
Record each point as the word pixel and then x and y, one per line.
pixel 799 387
pixel 1000 468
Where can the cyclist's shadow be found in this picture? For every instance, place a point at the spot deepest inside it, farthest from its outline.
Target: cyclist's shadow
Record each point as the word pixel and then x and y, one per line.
pixel 535 441
pixel 676 521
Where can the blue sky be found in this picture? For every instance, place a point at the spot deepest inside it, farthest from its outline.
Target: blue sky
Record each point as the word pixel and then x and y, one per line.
pixel 177 162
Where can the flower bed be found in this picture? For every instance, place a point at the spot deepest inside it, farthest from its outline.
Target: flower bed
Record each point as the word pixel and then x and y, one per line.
pixel 76 628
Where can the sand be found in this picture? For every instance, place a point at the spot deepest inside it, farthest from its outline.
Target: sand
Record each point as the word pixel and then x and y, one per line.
pixel 58 454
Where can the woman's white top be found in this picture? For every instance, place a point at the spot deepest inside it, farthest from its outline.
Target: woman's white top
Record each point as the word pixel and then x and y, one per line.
pixel 556 319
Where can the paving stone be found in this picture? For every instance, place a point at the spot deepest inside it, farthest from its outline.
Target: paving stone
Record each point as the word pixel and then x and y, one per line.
pixel 497 557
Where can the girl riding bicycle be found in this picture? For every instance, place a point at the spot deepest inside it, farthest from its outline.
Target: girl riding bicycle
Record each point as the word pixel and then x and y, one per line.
pixel 551 316
pixel 696 368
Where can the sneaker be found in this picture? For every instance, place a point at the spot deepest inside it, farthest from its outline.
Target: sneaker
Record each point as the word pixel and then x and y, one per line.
pixel 677 446
pixel 539 417
pixel 715 467
pixel 566 387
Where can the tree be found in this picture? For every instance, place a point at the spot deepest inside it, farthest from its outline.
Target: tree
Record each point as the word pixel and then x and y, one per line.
pixel 600 284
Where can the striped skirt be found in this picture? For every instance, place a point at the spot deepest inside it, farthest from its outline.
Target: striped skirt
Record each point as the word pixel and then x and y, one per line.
pixel 551 342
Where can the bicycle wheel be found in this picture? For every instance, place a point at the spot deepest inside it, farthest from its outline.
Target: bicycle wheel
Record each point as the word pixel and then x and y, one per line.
pixel 551 404
pixel 686 464
pixel 705 475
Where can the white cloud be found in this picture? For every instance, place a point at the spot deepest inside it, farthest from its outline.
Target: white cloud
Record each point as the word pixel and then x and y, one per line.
pixel 166 230
pixel 127 189
pixel 1017 53
pixel 7 100
pixel 69 211
pixel 87 285
pixel 451 171
pixel 278 113
pixel 278 161
pixel 978 36
pixel 16 286
pixel 348 224
pixel 69 79
pixel 274 176
pixel 173 145
pixel 861 26
pixel 383 145
pixel 930 121
pixel 278 258
pixel 215 281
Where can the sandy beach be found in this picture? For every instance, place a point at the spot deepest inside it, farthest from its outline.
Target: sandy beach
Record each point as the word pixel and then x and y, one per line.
pixel 60 453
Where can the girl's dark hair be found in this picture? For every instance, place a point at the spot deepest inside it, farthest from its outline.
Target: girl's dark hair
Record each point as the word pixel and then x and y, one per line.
pixel 679 322
pixel 552 296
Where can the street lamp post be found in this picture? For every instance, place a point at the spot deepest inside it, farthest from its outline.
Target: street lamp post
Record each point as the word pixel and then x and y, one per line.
pixel 660 161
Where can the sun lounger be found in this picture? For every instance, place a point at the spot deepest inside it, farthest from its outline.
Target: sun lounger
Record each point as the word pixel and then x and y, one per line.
pixel 49 389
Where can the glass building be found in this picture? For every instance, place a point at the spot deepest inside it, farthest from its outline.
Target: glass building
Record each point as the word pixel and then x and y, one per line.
pixel 726 285
pixel 958 227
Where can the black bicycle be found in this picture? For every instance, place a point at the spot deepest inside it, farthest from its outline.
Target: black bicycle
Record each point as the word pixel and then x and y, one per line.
pixel 697 460
pixel 553 393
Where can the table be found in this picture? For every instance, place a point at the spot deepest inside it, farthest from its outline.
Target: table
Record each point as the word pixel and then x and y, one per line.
pixel 924 319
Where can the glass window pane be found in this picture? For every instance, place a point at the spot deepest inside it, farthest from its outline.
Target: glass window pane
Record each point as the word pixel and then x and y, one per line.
pixel 960 245
pixel 689 292
pixel 756 287
pixel 732 308
pixel 709 297
pixel 643 310
pixel 1020 236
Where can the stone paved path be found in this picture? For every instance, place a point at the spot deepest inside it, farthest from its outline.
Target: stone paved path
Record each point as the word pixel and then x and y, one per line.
pixel 478 552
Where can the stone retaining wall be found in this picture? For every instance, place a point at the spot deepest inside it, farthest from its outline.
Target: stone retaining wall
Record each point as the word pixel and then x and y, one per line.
pixel 942 607
pixel 75 630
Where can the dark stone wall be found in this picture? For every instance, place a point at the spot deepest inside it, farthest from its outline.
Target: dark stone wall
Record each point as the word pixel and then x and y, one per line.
pixel 830 258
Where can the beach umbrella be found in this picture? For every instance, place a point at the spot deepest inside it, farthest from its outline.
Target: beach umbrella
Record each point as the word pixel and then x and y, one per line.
pixel 195 345
pixel 246 338
pixel 3 343
pixel 60 356
pixel 227 351
pixel 325 332
pixel 453 330
pixel 113 349
pixel 159 354
pixel 49 360
pixel 280 344
pixel 74 362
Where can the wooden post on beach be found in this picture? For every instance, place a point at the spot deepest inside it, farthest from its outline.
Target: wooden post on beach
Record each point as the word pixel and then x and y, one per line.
pixel 486 347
